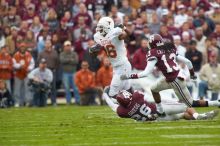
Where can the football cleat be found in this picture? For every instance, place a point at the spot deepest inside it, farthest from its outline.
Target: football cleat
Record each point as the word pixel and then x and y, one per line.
pixel 208 116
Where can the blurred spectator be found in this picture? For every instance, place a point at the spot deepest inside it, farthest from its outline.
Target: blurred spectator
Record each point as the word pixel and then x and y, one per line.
pixel 104 74
pixel 3 8
pixel 36 26
pixel 6 67
pixel 125 9
pixel 139 60
pixel 31 44
pixel 42 37
pixel 69 60
pixel 56 44
pixel 80 29
pixel 146 32
pixel 165 33
pixel 2 38
pixel 216 34
pixel 171 28
pixel 116 15
pixel 181 17
pixel 205 22
pixel 43 10
pixel 185 39
pixel 209 49
pixel 52 60
pixel 181 50
pixel 23 28
pixel 62 7
pixel 94 62
pixel 11 40
pixel 85 81
pixel 75 7
pixel 5 96
pixel 68 17
pixel 210 77
pixel 39 81
pixel 138 28
pixel 216 14
pixel 52 21
pixel 11 19
pixel 83 13
pixel 154 26
pixel 131 39
pixel 162 8
pixel 31 13
pixel 64 31
pixel 200 41
pixel 194 55
pixel 23 63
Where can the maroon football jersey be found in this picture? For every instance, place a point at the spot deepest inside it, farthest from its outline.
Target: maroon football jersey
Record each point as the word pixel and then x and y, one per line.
pixel 166 62
pixel 139 109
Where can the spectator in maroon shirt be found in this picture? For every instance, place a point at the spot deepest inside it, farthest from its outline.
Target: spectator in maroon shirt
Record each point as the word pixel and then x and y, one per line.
pixel 83 13
pixel 52 3
pixel 138 28
pixel 165 33
pixel 64 32
pixel 68 17
pixel 154 26
pixel 23 28
pixel 30 14
pixel 62 7
pixel 171 28
pixel 140 56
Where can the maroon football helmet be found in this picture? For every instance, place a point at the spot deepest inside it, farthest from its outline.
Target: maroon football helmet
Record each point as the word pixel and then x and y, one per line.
pixel 155 41
pixel 124 98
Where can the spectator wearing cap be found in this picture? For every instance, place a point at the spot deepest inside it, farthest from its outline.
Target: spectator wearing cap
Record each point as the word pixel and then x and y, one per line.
pixel 52 21
pixel 23 63
pixel 6 66
pixel 83 13
pixel 85 81
pixel 140 55
pixel 52 59
pixel 69 60
pixel 39 80
pixel 194 55
pixel 210 77
pixel 205 22
pixel 181 16
pixel 11 19
pixel 64 31
pixel 12 39
pixel 181 50
pixel 125 9
pixel 216 13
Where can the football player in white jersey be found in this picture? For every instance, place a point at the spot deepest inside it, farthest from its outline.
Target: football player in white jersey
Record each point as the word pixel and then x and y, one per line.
pixel 111 39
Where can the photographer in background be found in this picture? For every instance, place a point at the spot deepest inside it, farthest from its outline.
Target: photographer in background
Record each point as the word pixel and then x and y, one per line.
pixel 40 80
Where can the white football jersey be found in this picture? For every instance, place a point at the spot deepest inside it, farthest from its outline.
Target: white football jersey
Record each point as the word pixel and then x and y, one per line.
pixel 114 48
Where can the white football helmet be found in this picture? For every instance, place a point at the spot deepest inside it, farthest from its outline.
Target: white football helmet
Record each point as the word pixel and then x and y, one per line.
pixel 105 25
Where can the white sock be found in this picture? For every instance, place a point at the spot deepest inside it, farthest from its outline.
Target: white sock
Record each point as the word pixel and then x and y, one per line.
pixel 214 103
pixel 159 107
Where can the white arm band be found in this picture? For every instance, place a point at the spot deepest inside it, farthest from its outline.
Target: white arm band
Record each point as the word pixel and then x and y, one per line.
pixel 149 68
pixel 185 61
pixel 110 103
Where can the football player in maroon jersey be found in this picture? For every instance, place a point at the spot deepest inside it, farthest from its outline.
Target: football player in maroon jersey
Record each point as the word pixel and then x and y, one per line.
pixel 164 56
pixel 134 106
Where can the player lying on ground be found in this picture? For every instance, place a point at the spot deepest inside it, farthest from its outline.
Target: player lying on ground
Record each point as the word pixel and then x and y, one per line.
pixel 111 39
pixel 163 55
pixel 134 106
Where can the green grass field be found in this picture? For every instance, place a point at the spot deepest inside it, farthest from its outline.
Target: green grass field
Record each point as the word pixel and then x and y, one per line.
pixel 95 125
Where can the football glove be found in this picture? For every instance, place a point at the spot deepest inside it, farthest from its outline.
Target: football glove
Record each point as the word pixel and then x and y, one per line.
pixel 95 49
pixel 120 26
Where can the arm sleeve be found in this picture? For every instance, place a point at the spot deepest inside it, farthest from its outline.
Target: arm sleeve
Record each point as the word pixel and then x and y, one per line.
pixel 185 60
pixel 31 74
pixel 50 76
pixel 110 103
pixel 31 65
pixel 149 68
pixel 15 64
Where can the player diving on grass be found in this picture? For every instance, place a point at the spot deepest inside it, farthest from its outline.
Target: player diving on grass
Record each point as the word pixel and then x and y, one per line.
pixel 111 39
pixel 134 106
pixel 164 56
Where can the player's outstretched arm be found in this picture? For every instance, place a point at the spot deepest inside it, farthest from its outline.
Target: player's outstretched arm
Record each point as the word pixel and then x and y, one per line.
pixel 94 50
pixel 110 103
pixel 189 65
pixel 149 68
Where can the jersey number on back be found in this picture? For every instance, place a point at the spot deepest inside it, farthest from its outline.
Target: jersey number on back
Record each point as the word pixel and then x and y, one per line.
pixel 110 51
pixel 170 67
pixel 144 111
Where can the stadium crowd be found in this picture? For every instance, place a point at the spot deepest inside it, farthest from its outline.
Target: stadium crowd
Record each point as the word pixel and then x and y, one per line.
pixel 44 45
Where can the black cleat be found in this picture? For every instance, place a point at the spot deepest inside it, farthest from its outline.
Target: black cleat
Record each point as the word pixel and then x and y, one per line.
pixel 161 115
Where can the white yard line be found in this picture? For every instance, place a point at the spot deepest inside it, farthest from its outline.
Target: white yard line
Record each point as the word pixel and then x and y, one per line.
pixel 179 127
